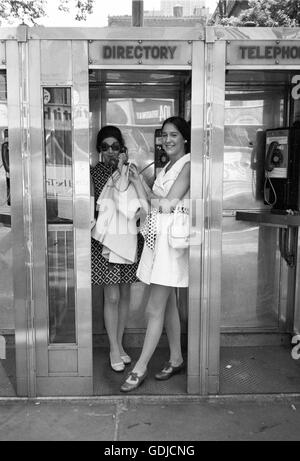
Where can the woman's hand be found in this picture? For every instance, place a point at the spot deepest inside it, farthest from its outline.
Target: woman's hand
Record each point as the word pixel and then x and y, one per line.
pixel 134 176
pixel 123 158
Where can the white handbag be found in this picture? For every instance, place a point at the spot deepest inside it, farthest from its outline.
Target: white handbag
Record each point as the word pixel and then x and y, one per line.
pixel 179 229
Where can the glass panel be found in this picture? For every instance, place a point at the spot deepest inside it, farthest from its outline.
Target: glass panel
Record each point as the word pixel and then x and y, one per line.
pixel 59 203
pixel 250 275
pixel 138 119
pixel 61 284
pixel 7 321
pixel 245 115
pixel 254 101
pixel 137 102
pixel 58 150
pixel 248 109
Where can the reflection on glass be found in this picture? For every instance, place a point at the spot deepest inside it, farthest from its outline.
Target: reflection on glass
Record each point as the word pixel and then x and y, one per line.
pixel 61 279
pixel 250 276
pixel 138 119
pixel 58 149
pixel 7 318
pixel 59 203
pixel 247 112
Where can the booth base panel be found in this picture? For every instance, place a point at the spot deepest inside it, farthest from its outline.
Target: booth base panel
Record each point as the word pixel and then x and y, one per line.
pixel 243 370
pixel 8 384
pixel 108 382
pixel 258 370
pixel 7 381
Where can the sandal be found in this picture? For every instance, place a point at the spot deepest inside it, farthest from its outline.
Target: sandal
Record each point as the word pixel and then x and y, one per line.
pixel 117 366
pixel 126 359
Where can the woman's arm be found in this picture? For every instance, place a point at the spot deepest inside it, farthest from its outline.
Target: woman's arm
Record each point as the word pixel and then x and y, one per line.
pixel 92 201
pixel 177 192
pixel 140 187
pixel 92 187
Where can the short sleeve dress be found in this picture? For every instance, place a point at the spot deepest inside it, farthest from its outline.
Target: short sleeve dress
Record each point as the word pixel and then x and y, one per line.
pixel 103 272
pixel 165 265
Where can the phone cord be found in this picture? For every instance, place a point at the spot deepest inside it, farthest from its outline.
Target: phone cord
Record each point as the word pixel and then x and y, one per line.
pixel 273 190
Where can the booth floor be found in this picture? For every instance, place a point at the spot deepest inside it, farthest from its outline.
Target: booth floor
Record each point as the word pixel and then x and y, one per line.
pixel 258 370
pixel 243 370
pixel 108 382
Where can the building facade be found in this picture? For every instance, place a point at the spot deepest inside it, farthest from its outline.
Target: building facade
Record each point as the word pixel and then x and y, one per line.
pixel 189 6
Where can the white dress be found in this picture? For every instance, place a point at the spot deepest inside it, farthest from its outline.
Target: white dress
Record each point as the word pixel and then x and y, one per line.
pixel 165 265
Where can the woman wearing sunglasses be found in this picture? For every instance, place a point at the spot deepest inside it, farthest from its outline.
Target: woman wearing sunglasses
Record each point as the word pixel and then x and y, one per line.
pixel 116 278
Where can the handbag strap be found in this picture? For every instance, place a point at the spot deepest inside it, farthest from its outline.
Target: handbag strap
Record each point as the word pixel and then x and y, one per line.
pixel 124 174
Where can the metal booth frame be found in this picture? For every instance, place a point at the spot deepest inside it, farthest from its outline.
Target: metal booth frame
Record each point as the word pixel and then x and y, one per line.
pixel 25 56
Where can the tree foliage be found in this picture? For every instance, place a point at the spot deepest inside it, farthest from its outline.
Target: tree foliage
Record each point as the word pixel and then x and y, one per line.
pixel 268 13
pixel 83 8
pixel 22 10
pixel 29 11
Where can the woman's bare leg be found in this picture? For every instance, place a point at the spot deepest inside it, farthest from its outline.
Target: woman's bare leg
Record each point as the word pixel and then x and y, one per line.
pixel 123 314
pixel 111 315
pixel 155 312
pixel 173 330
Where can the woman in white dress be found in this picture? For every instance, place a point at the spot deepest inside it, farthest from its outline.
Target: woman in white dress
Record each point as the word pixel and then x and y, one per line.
pixel 161 266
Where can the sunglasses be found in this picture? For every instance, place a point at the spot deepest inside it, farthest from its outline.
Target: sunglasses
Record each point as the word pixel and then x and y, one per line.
pixel 115 147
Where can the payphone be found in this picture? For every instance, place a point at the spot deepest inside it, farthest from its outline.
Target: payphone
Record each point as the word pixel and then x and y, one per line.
pixel 282 169
pixel 160 156
pixel 5 161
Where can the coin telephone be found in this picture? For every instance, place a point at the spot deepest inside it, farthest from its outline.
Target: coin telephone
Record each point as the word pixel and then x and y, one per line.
pixel 282 169
pixel 5 161
pixel 160 156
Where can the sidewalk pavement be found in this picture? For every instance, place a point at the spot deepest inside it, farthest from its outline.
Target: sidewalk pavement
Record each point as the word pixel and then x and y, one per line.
pixel 225 418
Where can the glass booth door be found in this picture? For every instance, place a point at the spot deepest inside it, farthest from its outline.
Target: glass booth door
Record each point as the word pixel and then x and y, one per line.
pixel 60 215
pixel 60 168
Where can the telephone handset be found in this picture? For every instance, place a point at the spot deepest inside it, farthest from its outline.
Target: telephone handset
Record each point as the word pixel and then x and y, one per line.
pixel 5 161
pixel 5 152
pixel 257 164
pixel 124 150
pixel 160 156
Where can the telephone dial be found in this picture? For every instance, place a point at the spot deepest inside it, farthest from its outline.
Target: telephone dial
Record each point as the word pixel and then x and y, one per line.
pixel 274 156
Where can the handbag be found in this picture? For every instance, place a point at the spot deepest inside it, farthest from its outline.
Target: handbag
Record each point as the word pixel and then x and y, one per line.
pixel 179 229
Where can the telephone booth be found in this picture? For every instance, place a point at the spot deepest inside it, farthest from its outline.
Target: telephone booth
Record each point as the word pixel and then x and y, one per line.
pixel 58 86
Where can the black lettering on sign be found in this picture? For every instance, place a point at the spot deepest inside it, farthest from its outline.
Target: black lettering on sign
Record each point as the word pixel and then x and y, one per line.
pixel 120 52
pixel 269 52
pixel 129 52
pixel 163 52
pixel 139 52
pixel 107 52
pixel 155 52
pixel 147 50
pixel 172 50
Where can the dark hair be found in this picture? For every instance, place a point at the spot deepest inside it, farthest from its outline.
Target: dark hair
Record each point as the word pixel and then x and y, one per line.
pixel 109 131
pixel 183 127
